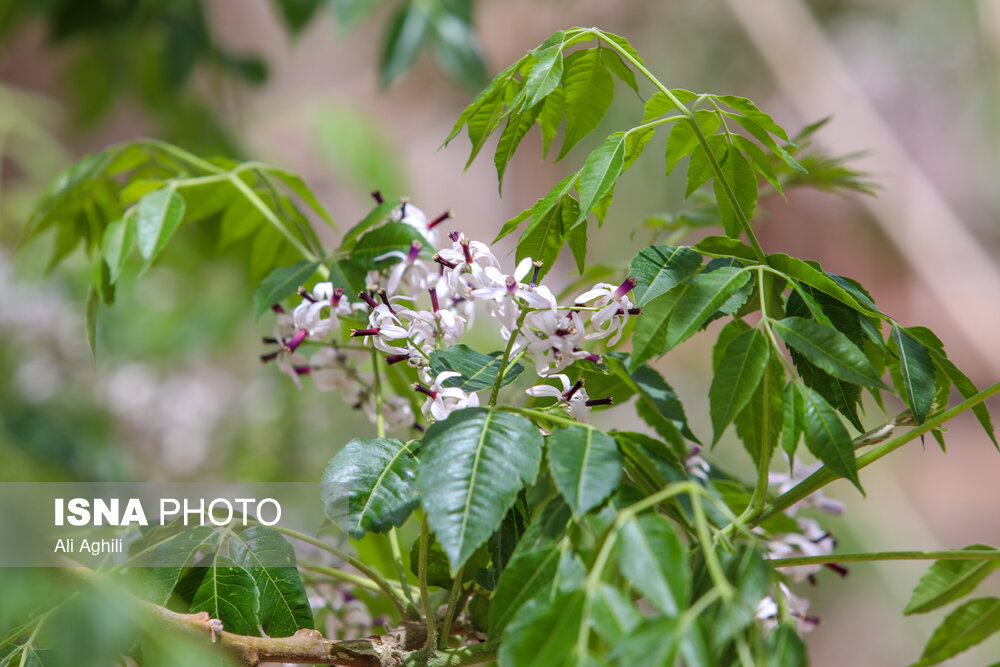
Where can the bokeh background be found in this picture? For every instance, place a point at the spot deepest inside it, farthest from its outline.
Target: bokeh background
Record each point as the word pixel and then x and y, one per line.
pixel 176 391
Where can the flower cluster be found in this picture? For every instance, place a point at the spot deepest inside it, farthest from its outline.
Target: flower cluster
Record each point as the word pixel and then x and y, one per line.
pixel 418 305
pixel 810 540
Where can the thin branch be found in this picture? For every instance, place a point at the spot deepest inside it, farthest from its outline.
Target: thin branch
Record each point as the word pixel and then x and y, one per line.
pixel 971 554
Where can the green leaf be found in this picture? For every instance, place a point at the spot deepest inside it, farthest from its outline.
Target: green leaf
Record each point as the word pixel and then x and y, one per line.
pixel 793 421
pixel 381 240
pixel 965 627
pixel 284 604
pixel 517 126
pixel 380 213
pixel 532 567
pixel 615 615
pixel 542 239
pixel 585 464
pixel 437 564
pixel 347 274
pixel 616 65
pixel 282 283
pixel 654 642
pixel 158 215
pixel 654 560
pixel 649 338
pixel 599 173
pixel 726 248
pixel 760 162
pixel 740 176
pixel 966 389
pixel 479 371
pixel 682 140
pixel 551 117
pixel 589 90
pixel 656 106
pixel 576 239
pixel 458 50
pixel 119 238
pixel 763 137
pixel 502 543
pixel 67 189
pixel 404 36
pixel 544 633
pixel 487 100
pixel 750 111
pixel 299 187
pixel 526 574
pixel 801 271
pixel 829 349
pixel 785 648
pixel 635 143
pixel 658 269
pixel 545 75
pixel 90 325
pixel 658 396
pixel 297 13
pixel 472 466
pixel 826 436
pixel 240 220
pixel 370 485
pixel 709 291
pixel 759 424
pixel 700 168
pixel 948 580
pixel 160 555
pixel 916 372
pixel 740 371
pixel 229 593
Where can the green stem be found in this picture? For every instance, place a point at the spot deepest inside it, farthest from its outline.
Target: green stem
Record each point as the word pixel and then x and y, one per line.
pixel 824 476
pixel 711 562
pixel 456 589
pixel 270 216
pixel 759 496
pixel 34 633
pixel 384 584
pixel 466 655
pixel 551 417
pixel 702 140
pixel 397 557
pixel 980 554
pixel 341 575
pixel 425 597
pixel 182 155
pixel 377 385
pixel 506 358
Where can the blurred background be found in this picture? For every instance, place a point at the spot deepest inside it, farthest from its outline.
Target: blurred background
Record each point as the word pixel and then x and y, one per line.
pixel 359 95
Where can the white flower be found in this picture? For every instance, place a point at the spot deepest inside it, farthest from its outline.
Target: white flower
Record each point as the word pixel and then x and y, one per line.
pixel 465 263
pixel 614 308
pixel 442 401
pixel 812 541
pixel 767 611
pixel 411 215
pixel 419 276
pixel 554 339
pixel 330 373
pixel 506 294
pixel 573 397
pixel 397 412
pixel 695 465
pixel 293 365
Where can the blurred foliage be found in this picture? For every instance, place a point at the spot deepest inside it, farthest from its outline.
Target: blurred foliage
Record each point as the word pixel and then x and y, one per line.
pixel 150 51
